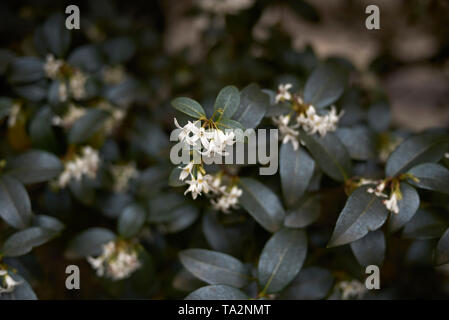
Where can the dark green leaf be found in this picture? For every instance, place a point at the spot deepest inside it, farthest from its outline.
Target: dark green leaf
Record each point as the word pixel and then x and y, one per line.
pixel 427 147
pixel 89 243
pixel 370 250
pixel 359 141
pixel 407 208
pixel 215 267
pixel 432 176
pixel 15 206
pixel 22 242
pixel 227 102
pixel 189 107
pixel 281 259
pixel 442 250
pixel 379 116
pixel 362 213
pixel 312 283
pixel 425 224
pixel 262 204
pixel 324 86
pixel 49 223
pixel 253 105
pixel 217 292
pixel 55 35
pixel 330 154
pixel 87 125
pixel 296 168
pixel 131 220
pixel 306 213
pixel 34 166
pixel 25 70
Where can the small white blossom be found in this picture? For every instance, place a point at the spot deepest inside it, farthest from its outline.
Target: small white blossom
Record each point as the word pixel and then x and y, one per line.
pixel 73 114
pixel 287 132
pixel 186 171
pixel 7 283
pixel 122 175
pixel 379 190
pixel 198 185
pixel 313 123
pixel 85 165
pixel 392 203
pixel 283 92
pixel 227 200
pixel 351 289
pixel 117 261
pixel 188 132
pixel 52 66
pixel 446 155
pixel 62 92
pixel 77 84
pixel 13 114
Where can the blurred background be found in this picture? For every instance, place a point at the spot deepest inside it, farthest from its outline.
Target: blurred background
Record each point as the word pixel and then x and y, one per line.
pixel 196 47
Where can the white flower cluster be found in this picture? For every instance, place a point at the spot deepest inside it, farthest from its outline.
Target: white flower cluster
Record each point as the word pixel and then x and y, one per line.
pixel 225 6
pixel 309 120
pixel 72 114
pixel 446 155
pixel 13 114
pixel 77 84
pixel 391 202
pixel 7 283
pixel 351 289
pixel 208 142
pixel 114 75
pixel 227 200
pixel 122 175
pixel 52 66
pixel 117 261
pixel 117 116
pixel 85 165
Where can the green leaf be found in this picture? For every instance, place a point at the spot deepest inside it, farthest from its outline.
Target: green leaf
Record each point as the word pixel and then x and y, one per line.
pixel 86 126
pixel 49 223
pixel 89 243
pixel 425 224
pixel 34 166
pixel 362 213
pixel 281 259
pixel 226 124
pixel 22 292
pixel 227 102
pixel 217 292
pixel 442 249
pixel 173 179
pixel 22 242
pixel 379 116
pixel 215 267
pixel 313 283
pixel 131 220
pixel 305 214
pixel 426 147
pixel 262 204
pixel 296 168
pixel 324 86
pixel 41 130
pixel 359 141
pixel 189 107
pixel 408 206
pixel 330 154
pixel 182 218
pixel 15 206
pixel 5 107
pixel 253 105
pixel 55 35
pixel 432 176
pixel 370 250
pixel 26 70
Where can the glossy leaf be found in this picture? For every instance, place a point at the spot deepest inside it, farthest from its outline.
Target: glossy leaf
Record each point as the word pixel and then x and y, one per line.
pixel 189 107
pixel 15 206
pixel 370 250
pixel 253 105
pixel 131 220
pixel 408 206
pixel 432 176
pixel 89 243
pixel 227 102
pixel 217 292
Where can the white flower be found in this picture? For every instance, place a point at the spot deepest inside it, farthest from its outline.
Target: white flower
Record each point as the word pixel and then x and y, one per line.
pixel 227 200
pixel 379 190
pixel 52 66
pixel 392 203
pixel 446 155
pixel 351 289
pixel 85 165
pixel 287 133
pixel 186 171
pixel 122 175
pixel 77 83
pixel 73 114
pixel 188 132
pixel 283 92
pixel 7 283
pixel 13 114
pixel 198 185
pixel 117 261
pixel 313 123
